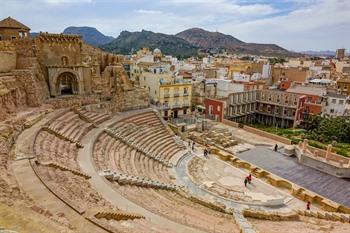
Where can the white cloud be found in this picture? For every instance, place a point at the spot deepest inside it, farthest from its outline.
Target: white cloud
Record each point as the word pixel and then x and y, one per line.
pixel 57 2
pixel 313 27
pixel 149 12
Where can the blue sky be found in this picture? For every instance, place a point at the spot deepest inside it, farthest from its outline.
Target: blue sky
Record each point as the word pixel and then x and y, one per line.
pixel 294 24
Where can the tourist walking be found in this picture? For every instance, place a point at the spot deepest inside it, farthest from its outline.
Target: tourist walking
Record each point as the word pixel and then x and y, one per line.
pixel 249 178
pixel 206 153
pixel 308 205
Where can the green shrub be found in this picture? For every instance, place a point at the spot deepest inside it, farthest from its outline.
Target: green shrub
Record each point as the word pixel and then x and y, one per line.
pixel 317 144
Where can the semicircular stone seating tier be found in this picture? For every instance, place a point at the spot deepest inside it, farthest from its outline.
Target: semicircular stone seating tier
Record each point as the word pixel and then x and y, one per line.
pixel 116 154
pixel 57 167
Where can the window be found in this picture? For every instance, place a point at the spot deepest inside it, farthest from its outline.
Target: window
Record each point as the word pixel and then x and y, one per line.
pixel 332 110
pixel 268 108
pixel 219 108
pixel 185 111
pixel 334 101
pixel 0 37
pixel 21 34
pixel 186 91
pixel 341 102
pixel 210 109
pixel 14 38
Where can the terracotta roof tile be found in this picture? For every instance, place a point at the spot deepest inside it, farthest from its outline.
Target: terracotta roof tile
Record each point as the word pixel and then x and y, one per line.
pixel 12 23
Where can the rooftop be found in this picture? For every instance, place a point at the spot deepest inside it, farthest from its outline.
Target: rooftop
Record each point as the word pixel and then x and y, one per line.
pixel 336 95
pixel 307 90
pixel 12 23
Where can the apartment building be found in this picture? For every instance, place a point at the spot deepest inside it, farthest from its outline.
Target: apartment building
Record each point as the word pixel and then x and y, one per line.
pixel 343 86
pixel 336 105
pixel 315 96
pixel 171 94
pixel 269 107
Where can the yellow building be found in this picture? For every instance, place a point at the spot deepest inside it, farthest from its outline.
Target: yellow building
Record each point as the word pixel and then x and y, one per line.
pixel 172 95
pixel 175 99
pixel 343 86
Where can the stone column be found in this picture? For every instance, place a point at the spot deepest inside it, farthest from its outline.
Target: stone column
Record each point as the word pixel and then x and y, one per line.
pixel 329 150
pixel 305 143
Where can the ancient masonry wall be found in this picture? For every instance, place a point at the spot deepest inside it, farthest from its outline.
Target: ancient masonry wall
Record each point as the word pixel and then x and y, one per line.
pixel 134 99
pixel 25 85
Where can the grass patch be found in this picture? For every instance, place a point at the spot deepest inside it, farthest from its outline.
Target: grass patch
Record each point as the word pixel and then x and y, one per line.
pixel 296 136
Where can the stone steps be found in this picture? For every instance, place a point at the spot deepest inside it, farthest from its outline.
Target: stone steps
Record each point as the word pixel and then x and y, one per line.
pixel 64 168
pixel 118 215
pixel 332 216
pixel 138 147
pixel 137 180
pixel 61 135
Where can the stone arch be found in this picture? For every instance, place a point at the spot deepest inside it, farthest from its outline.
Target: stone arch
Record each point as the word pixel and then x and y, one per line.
pixel 66 81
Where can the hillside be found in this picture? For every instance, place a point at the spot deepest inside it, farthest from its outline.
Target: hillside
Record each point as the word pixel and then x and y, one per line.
pixel 90 35
pixel 128 42
pixel 215 40
pixel 209 40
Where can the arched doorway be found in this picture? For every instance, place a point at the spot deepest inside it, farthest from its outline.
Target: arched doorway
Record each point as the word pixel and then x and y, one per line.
pixel 67 84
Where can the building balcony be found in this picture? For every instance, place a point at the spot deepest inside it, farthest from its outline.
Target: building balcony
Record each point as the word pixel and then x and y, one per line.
pixel 163 107
pixel 176 106
pixel 185 104
pixel 166 95
pixel 176 94
pixel 185 94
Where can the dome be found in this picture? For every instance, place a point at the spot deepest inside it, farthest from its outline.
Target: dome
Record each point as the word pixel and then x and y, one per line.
pixel 157 52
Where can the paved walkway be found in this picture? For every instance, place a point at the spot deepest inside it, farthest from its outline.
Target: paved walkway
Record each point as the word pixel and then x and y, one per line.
pixel 334 188
pixel 108 191
pixel 245 136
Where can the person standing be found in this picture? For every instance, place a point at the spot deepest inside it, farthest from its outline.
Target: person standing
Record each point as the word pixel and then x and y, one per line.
pixel 245 182
pixel 193 146
pixel 276 147
pixel 308 205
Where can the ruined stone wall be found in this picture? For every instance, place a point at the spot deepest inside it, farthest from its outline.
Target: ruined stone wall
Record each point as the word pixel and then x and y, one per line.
pixel 73 101
pixel 137 98
pixel 12 96
pixel 52 48
pixel 23 85
pixel 8 188
pixel 7 61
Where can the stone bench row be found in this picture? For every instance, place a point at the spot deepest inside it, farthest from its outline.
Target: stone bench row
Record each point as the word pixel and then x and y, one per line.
pixel 332 216
pixel 118 215
pixel 272 215
pixel 61 135
pixel 136 180
pixel 92 117
pixel 139 147
pixel 155 141
pixel 63 168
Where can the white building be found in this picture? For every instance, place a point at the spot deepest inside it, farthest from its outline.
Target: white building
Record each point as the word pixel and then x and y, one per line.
pixel 226 87
pixel 266 71
pixel 336 105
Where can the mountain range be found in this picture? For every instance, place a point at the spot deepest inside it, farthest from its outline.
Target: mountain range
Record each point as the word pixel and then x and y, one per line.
pixel 183 44
pixel 90 35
